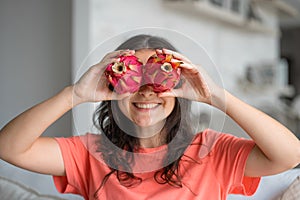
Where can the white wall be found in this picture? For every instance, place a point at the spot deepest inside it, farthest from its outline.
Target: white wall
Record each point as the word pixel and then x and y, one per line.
pixel 232 48
pixel 35 55
pixel 35 60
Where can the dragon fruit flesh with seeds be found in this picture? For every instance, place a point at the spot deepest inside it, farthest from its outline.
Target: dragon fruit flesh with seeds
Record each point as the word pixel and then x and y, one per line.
pixel 125 75
pixel 161 73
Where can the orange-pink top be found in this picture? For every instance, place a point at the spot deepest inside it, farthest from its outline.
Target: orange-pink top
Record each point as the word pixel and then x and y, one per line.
pixel 215 170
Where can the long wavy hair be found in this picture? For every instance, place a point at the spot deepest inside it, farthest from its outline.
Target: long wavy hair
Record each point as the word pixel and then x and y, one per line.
pixel 108 116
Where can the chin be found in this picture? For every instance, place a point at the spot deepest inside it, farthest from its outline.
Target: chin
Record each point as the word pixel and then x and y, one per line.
pixel 150 124
pixel 142 124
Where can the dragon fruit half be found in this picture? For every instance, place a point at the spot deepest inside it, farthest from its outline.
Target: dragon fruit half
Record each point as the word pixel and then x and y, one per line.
pixel 126 74
pixel 161 73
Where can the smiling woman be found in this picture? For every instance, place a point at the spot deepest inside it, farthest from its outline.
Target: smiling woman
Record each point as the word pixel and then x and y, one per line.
pixel 147 148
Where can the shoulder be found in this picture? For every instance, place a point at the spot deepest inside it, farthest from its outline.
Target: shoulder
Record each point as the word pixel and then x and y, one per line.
pixel 79 144
pixel 210 141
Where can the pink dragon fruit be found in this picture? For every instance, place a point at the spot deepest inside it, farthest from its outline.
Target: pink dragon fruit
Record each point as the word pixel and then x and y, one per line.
pixel 161 73
pixel 126 74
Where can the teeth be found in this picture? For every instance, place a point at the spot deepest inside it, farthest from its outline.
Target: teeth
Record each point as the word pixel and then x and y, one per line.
pixel 146 106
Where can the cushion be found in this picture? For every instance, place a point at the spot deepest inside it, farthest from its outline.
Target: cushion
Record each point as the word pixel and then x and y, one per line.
pixel 293 191
pixel 15 191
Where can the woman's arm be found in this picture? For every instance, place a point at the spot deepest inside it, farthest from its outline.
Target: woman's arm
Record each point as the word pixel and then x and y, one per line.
pixel 21 143
pixel 277 148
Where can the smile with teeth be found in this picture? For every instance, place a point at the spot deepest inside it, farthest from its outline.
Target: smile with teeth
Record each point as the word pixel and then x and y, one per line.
pixel 146 105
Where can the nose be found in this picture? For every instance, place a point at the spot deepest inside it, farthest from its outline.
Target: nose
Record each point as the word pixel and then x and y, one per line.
pixel 146 91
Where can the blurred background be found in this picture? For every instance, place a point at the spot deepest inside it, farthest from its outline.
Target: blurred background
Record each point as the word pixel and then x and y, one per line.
pixel 254 43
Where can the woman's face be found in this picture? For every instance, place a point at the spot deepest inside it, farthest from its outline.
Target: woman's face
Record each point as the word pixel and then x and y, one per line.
pixel 144 107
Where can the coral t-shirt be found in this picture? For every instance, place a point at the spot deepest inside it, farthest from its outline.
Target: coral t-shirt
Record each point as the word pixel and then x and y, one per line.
pixel 217 170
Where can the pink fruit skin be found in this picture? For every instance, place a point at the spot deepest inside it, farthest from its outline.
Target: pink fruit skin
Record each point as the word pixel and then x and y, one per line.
pixel 160 79
pixel 128 78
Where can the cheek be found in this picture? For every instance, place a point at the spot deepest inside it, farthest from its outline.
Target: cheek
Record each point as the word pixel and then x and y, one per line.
pixel 124 107
pixel 170 104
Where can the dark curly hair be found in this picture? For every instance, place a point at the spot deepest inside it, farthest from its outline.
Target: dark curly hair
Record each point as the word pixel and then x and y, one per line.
pixel 108 116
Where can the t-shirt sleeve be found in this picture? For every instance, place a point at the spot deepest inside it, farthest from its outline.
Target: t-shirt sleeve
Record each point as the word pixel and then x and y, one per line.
pixel 230 158
pixel 74 155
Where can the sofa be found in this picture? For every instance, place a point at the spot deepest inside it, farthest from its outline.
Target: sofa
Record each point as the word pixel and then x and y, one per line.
pixel 14 190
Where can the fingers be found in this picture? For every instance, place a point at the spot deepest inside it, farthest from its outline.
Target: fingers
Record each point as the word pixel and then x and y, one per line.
pixel 175 54
pixel 186 64
pixel 93 85
pixel 113 56
pixel 118 53
pixel 127 52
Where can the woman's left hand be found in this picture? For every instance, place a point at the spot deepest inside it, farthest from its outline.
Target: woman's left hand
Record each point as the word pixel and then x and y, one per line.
pixel 197 85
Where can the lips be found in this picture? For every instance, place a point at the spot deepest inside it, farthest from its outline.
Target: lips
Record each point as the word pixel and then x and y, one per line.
pixel 146 106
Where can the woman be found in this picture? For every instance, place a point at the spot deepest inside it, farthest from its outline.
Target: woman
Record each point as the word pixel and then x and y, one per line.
pixel 181 165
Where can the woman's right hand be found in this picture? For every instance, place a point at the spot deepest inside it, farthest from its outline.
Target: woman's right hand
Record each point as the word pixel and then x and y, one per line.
pixel 93 85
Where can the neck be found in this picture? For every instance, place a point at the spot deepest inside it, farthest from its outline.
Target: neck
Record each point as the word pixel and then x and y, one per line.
pixel 154 141
pixel 150 137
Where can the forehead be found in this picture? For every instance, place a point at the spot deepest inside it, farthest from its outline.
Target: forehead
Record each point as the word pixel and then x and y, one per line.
pixel 144 54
